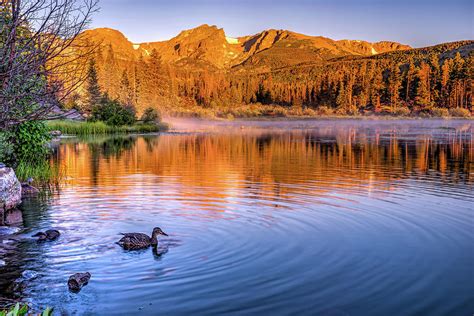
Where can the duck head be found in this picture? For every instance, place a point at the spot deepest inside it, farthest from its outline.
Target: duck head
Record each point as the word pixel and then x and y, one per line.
pixel 157 231
pixel 41 236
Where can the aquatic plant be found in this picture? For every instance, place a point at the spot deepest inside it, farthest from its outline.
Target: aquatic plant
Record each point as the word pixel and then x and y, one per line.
pixel 42 172
pixel 93 128
pixel 21 310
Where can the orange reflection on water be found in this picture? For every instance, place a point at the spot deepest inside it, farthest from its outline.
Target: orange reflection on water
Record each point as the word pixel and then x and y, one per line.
pixel 210 167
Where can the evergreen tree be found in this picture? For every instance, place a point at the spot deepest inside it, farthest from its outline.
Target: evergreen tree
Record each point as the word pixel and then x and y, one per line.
pixel 394 84
pixel 93 93
pixel 423 97
pixel 126 94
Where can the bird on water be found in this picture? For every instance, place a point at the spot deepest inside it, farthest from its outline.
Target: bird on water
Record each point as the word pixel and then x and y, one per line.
pixel 135 241
pixel 49 235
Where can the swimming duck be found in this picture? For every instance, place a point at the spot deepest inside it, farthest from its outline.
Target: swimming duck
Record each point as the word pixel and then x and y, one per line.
pixel 135 241
pixel 49 235
pixel 27 189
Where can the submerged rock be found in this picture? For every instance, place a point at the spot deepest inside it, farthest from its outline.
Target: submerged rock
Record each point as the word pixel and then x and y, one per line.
pixel 10 189
pixel 27 190
pixel 13 217
pixel 77 281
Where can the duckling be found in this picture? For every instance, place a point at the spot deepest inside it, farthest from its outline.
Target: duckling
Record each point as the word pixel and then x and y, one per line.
pixel 77 281
pixel 49 235
pixel 27 189
pixel 135 241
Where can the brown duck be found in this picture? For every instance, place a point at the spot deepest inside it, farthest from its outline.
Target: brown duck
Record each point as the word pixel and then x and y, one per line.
pixel 135 241
pixel 49 235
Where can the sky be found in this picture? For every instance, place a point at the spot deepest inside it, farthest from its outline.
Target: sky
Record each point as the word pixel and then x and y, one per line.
pixel 417 23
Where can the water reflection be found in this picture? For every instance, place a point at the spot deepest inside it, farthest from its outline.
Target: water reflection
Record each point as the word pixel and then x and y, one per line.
pixel 278 164
pixel 321 217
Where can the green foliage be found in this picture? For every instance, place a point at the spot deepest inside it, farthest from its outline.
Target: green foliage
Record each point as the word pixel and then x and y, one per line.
pixel 26 143
pixel 6 147
pixel 43 172
pixel 113 113
pixel 151 115
pixel 22 310
pixel 96 128
pixel 30 143
pixel 93 94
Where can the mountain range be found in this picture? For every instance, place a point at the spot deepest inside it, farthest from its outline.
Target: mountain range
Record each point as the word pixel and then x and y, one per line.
pixel 269 49
pixel 202 70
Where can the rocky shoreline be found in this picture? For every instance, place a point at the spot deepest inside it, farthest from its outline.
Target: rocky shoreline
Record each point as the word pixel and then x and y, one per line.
pixel 10 189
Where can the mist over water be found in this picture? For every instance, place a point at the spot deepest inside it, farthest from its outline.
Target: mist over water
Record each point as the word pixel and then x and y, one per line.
pixel 300 217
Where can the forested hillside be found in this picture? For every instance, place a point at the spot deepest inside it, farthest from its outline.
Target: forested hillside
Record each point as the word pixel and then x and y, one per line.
pixel 203 72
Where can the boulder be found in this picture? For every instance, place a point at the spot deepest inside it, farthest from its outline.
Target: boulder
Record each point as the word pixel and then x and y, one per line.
pixel 10 189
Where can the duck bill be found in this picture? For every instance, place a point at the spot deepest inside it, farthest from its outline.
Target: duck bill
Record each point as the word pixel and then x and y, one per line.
pixel 163 233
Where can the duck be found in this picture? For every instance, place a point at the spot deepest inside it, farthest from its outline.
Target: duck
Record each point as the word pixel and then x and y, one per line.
pixel 49 235
pixel 135 241
pixel 27 189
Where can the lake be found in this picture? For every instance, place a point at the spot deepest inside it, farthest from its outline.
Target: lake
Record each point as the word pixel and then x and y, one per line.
pixel 265 218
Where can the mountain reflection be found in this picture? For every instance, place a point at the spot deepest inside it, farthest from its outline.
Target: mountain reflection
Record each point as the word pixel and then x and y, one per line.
pixel 278 162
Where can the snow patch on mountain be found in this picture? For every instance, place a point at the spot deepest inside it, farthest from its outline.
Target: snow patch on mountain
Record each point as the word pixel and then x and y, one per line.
pixel 374 52
pixel 232 40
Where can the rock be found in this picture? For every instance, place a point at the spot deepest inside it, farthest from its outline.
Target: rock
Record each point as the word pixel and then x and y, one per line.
pixel 10 189
pixel 55 133
pixel 28 190
pixel 13 217
pixel 77 281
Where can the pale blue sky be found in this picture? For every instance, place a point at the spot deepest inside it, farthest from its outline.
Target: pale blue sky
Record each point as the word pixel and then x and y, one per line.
pixel 417 23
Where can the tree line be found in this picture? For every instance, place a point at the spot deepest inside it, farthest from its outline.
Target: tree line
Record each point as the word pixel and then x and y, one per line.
pixel 414 81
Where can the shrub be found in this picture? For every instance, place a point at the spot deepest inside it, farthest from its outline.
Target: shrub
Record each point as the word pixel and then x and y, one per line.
pixel 402 111
pixel 6 147
pixel 113 113
pixel 325 110
pixel 341 111
pixel 460 112
pixel 26 142
pixel 440 112
pixel 309 112
pixel 151 115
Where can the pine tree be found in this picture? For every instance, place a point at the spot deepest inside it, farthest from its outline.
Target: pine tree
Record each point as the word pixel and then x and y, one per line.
pixel 423 97
pixel 394 84
pixel 93 93
pixel 126 95
pixel 410 76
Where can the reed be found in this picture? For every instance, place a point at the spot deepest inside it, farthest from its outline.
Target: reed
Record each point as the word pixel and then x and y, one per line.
pixel 93 128
pixel 42 173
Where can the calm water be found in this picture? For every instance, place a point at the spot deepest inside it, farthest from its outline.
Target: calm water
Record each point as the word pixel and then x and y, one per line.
pixel 320 218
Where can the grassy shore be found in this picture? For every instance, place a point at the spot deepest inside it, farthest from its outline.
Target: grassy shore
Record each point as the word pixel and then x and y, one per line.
pixel 44 172
pixel 93 128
